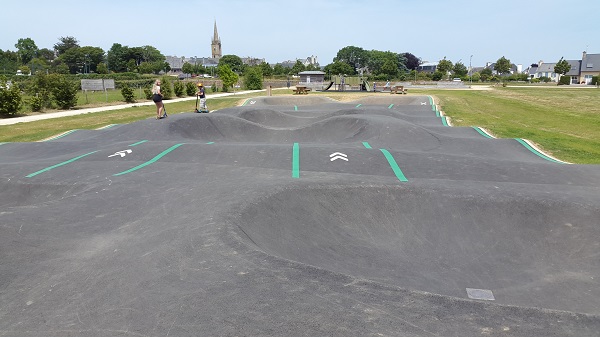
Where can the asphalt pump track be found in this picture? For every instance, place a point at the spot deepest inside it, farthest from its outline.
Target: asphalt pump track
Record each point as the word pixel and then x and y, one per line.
pixel 297 216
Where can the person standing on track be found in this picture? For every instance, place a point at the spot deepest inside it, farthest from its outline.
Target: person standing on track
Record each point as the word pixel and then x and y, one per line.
pixel 157 98
pixel 200 93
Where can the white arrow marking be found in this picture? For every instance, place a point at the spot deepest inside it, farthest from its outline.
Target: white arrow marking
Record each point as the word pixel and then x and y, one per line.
pixel 338 155
pixel 121 153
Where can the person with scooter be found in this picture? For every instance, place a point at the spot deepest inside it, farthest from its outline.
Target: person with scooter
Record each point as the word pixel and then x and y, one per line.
pixel 200 94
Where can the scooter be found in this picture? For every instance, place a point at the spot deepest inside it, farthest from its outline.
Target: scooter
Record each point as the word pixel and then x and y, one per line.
pixel 204 108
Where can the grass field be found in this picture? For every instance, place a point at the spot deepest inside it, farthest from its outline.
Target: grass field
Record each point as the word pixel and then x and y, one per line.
pixel 564 122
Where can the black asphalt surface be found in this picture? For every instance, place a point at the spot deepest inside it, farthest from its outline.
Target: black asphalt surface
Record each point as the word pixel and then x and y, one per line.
pixel 297 216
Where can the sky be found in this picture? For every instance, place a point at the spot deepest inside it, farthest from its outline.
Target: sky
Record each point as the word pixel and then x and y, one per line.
pixel 469 31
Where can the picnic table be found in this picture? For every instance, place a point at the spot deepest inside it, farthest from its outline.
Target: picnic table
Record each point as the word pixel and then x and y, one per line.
pixel 302 90
pixel 398 89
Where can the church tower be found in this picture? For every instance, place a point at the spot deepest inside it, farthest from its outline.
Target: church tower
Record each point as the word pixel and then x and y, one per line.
pixel 216 44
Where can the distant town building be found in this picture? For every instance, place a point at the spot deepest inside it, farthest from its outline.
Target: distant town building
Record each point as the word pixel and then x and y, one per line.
pixel 581 71
pixel 428 67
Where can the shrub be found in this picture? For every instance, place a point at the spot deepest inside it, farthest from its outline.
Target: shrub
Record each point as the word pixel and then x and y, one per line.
pixel 148 93
pixel 40 89
pixel 127 93
pixel 64 91
pixel 253 79
pixel 564 80
pixel 179 89
pixel 36 102
pixel 10 99
pixel 190 88
pixel 165 87
pixel 438 75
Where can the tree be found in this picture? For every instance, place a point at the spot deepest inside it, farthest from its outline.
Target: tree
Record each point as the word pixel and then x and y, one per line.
pixel 146 68
pixel 117 57
pixel 65 44
pixel 298 67
pixel 46 54
pixel 279 69
pixel 486 74
pixel 26 49
pixel 444 67
pixel 562 67
pixel 412 62
pixel 234 62
pixel 355 57
pixel 9 61
pixel 82 59
pixel 187 68
pixel 228 77
pixel 266 69
pixel 502 66
pixel 460 70
pixel 253 78
pixel 339 68
pixel 389 68
pixel 376 59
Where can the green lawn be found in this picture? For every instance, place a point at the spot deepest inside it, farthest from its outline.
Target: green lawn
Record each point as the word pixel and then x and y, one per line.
pixel 565 122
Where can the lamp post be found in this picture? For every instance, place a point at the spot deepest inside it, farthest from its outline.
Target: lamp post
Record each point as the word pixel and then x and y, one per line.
pixel 470 71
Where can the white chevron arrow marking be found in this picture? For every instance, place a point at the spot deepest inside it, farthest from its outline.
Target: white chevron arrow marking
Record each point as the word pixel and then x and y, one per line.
pixel 338 155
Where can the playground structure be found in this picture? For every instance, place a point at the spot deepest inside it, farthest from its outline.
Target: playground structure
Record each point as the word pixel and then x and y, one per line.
pixel 348 83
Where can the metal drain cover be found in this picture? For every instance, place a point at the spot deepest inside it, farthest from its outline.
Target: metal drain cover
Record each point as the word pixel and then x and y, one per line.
pixel 480 294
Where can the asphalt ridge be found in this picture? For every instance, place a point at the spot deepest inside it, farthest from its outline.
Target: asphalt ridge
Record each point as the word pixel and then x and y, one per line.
pixel 296 216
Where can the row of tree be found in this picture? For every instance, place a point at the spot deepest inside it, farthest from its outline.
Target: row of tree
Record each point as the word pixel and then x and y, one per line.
pixel 67 56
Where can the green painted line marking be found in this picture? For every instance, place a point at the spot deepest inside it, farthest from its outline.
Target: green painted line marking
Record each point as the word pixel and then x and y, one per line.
pixel 138 143
pixel 160 155
pixel 57 165
pixel 367 145
pixel 358 105
pixel 391 105
pixel 444 121
pixel 246 101
pixel 60 136
pixel 3 143
pixel 107 127
pixel 536 152
pixel 394 165
pixel 296 161
pixel 210 143
pixel 481 132
pixel 295 108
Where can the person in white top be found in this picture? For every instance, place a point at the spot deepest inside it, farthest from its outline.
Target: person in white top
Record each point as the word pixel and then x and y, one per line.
pixel 157 98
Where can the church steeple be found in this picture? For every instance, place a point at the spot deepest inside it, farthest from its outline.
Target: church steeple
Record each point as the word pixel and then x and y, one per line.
pixel 216 44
